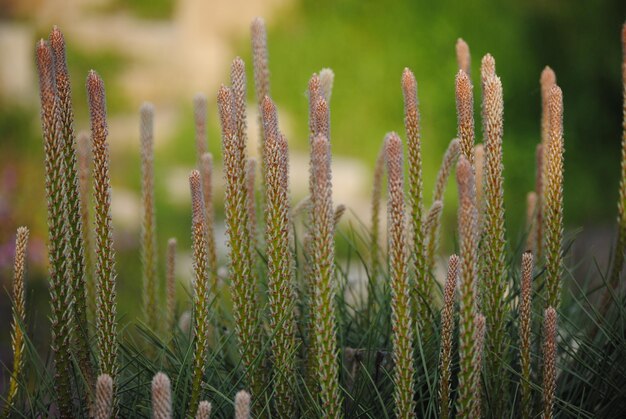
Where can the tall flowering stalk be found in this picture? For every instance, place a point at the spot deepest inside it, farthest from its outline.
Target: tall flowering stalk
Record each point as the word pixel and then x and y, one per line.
pixel 148 219
pixel 463 57
pixel 465 114
pixel 60 293
pixel 468 272
pixel 377 186
pixel 445 351
pixel 493 246
pixel 251 198
pixel 260 64
pixel 280 268
pixel 524 333
pixel 553 204
pixel 85 158
pixel 103 405
pixel 479 338
pixel 547 81
pixel 419 291
pixel 106 299
pixel 401 324
pixel 200 117
pixel 549 361
pixel 206 172
pixel 323 261
pixel 75 272
pixel 479 173
pixel 19 315
pixel 620 248
pixel 201 300
pixel 161 397
pixel 449 160
pixel 170 285
pixel 243 285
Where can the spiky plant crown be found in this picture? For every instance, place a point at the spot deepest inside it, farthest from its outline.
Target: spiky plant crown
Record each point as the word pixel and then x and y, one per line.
pixel 323 259
pixel 447 327
pixel 204 410
pixel 243 287
pixel 419 290
pixel 19 315
pixel 75 272
pixel 468 272
pixel 465 114
pixel 549 361
pixel 201 298
pixel 463 57
pixel 553 200
pixel 280 268
pixel 161 397
pixel 106 299
pixel 524 333
pixel 148 219
pixel 170 285
pixel 60 294
pixel 103 405
pixel 401 319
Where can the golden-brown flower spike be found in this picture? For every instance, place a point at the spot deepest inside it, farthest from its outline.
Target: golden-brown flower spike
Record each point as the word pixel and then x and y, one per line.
pixel 204 410
pixel 468 245
pixel 201 300
pixel 323 260
pixel 549 361
pixel 243 283
pixel 200 117
pixel 327 78
pixel 479 166
pixel 106 323
pixel 322 118
pixel 238 81
pixel 463 57
pixel 206 172
pixel 432 216
pixel 487 67
pixel 60 294
pixel 553 205
pixel 401 323
pixel 314 94
pixel 260 63
pixel 445 349
pixel 493 245
pixel 419 291
pixel 524 333
pixel 620 247
pixel 161 397
pixel 148 220
pixel 103 406
pixel 280 267
pixel 465 114
pixel 75 273
pixel 19 315
pixel 242 405
pixel 170 285
pixel 546 81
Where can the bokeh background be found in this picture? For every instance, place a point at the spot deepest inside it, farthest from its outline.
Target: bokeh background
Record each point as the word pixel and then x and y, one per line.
pixel 165 51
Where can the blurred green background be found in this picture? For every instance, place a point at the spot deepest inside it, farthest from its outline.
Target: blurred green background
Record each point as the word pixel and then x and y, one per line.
pixel 165 51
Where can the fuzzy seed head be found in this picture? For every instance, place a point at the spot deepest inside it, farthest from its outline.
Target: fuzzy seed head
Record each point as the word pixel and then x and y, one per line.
pixel 204 410
pixel 463 57
pixel 103 407
pixel 465 114
pixel 327 78
pixel 487 67
pixel 161 397
pixel 242 405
